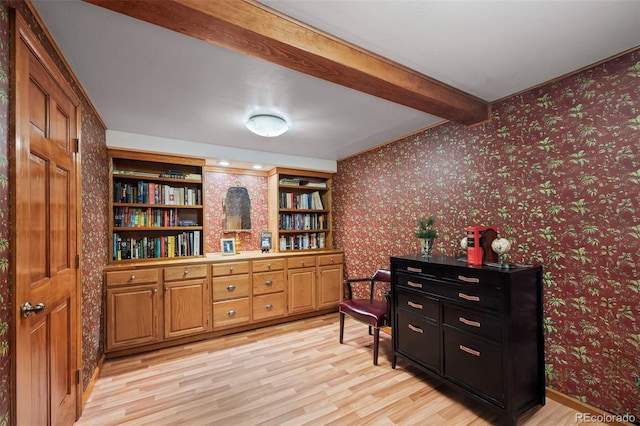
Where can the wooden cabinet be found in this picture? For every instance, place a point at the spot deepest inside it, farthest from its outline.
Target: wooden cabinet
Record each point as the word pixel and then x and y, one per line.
pixel 156 208
pixel 186 300
pixel 330 277
pixel 300 210
pixel 301 279
pixel 478 328
pixel 231 286
pixel 268 289
pixel 133 308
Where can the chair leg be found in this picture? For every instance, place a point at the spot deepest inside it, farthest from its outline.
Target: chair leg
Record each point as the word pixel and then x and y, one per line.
pixel 341 326
pixel 376 341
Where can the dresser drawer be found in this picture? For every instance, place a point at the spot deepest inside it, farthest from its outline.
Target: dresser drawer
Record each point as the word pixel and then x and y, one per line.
pixel 475 364
pixel 268 306
pixel 418 338
pixel 132 276
pixel 419 304
pixel 473 322
pixel 474 277
pixel 230 287
pixel 230 312
pixel 185 272
pixel 268 265
pixel 230 268
pixel 268 282
pixel 301 262
pixel 330 259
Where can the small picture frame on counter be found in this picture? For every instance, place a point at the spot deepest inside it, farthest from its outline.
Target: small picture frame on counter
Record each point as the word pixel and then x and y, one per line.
pixel 265 242
pixel 228 246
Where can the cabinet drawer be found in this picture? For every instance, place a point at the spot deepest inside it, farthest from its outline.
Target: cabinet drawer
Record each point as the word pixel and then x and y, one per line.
pixel 185 272
pixel 230 312
pixel 268 265
pixel 475 277
pixel 268 306
pixel 301 262
pixel 418 338
pixel 230 268
pixel 230 287
pixel 132 276
pixel 474 364
pixel 418 304
pixel 330 259
pixel 268 282
pixel 473 322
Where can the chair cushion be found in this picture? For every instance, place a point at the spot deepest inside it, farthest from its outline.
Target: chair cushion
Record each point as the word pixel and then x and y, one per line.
pixel 370 312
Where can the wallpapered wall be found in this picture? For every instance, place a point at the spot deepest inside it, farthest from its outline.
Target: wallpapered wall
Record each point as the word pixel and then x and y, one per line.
pixel 557 170
pixel 95 196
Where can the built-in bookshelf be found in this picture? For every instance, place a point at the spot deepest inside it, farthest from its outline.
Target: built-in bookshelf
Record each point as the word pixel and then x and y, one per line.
pixel 300 210
pixel 156 208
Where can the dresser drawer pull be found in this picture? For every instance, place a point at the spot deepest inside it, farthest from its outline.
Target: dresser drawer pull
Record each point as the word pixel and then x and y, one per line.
pixel 410 269
pixel 268 282
pixel 231 269
pixel 469 322
pixel 269 307
pixel 414 285
pixel 414 305
pixel 416 329
pixel 469 350
pixel 186 272
pixel 467 297
pixel 231 287
pixel 231 313
pixel 133 277
pixel 468 280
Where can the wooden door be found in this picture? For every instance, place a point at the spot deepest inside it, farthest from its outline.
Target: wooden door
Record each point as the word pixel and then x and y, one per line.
pixel 45 222
pixel 302 290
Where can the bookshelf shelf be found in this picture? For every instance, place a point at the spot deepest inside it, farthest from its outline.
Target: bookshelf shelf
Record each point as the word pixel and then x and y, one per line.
pixel 156 208
pixel 300 210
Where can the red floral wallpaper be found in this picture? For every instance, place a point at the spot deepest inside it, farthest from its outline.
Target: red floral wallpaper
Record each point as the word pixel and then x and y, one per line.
pixel 216 185
pixel 557 170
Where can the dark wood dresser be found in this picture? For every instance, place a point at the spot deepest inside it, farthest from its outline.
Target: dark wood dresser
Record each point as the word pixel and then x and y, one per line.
pixel 478 328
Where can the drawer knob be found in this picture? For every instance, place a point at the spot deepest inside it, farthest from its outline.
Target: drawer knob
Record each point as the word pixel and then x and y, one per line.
pixel 268 266
pixel 468 279
pixel 414 285
pixel 470 298
pixel 231 313
pixel 155 291
pixel 231 287
pixel 416 329
pixel 410 269
pixel 269 306
pixel 414 305
pixel 133 277
pixel 302 262
pixel 469 350
pixel 231 269
pixel 469 322
pixel 268 282
pixel 186 271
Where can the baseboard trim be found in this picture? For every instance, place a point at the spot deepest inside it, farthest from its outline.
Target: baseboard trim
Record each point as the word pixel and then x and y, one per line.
pixel 581 407
pixel 92 381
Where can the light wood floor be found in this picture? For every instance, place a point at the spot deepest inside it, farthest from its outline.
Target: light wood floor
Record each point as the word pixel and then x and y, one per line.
pixel 291 374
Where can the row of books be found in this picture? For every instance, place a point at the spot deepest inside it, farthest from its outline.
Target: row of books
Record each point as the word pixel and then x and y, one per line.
pixel 149 217
pixel 180 245
pixel 307 241
pixel 308 201
pixel 155 193
pixel 302 221
pixel 173 174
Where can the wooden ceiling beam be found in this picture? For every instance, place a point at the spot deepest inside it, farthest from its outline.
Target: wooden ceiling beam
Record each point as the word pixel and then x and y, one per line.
pixel 253 29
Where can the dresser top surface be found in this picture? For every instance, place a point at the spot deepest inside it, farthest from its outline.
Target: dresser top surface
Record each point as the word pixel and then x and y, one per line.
pixel 437 259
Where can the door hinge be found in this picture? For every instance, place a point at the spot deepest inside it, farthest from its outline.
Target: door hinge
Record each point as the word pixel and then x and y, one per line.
pixel 77 377
pixel 77 261
pixel 76 147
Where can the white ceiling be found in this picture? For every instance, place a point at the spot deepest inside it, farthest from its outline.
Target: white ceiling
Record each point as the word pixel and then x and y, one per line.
pixel 188 96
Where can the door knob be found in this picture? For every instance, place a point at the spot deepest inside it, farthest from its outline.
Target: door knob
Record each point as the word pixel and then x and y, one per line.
pixel 27 309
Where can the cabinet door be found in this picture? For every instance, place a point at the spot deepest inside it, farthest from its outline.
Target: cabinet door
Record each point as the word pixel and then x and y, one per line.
pixel 329 286
pixel 186 308
pixel 302 290
pixel 132 316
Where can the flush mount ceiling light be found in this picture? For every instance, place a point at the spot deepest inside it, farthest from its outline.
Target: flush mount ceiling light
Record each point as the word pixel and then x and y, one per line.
pixel 267 125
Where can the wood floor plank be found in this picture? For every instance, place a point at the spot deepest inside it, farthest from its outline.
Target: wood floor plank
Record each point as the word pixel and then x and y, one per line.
pixel 289 374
